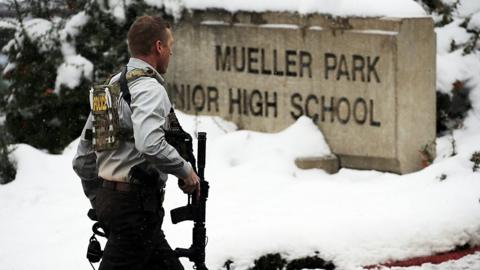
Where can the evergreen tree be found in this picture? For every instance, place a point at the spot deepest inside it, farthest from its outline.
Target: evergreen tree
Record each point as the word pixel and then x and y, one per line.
pixel 30 105
pixel 8 169
pixel 104 39
pixel 452 107
pixel 36 113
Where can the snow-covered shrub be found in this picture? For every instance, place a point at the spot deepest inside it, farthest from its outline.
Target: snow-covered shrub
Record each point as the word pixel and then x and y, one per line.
pixel 58 50
pixel 453 107
pixel 458 64
pixel 275 261
pixel 311 262
pixel 8 169
pixel 103 39
pixel 29 104
pixel 476 160
pixel 444 10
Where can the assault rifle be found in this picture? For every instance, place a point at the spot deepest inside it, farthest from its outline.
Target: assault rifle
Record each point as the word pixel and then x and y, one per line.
pixel 196 206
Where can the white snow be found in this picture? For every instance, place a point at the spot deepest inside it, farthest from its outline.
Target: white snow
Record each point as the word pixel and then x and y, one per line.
pixel 76 22
pixel 70 72
pixel 467 7
pixel 279 26
pixel 37 28
pixel 261 202
pixel 455 66
pixel 8 23
pixel 9 67
pixel 75 67
pixel 115 7
pixel 392 8
pixel 40 31
pixel 72 28
pixel 362 8
pixel 451 32
pixel 474 23
pixel 3 60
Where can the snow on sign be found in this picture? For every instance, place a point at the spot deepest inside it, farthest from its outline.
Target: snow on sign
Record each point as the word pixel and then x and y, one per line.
pixel 368 83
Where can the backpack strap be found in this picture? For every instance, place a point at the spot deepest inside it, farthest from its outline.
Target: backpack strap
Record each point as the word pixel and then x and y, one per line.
pixel 125 77
pixel 124 86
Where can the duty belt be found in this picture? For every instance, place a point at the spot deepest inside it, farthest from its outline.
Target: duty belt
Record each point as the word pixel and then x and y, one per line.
pixel 119 186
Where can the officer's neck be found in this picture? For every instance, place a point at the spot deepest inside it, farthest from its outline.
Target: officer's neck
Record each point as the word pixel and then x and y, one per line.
pixel 150 59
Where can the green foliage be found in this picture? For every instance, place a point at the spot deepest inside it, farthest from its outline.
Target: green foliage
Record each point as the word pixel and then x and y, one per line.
pixel 453 106
pixel 472 43
pixel 452 109
pixel 476 160
pixel 444 12
pixel 442 9
pixel 313 262
pixel 30 106
pixel 104 39
pixel 8 169
pixel 275 261
pixel 103 42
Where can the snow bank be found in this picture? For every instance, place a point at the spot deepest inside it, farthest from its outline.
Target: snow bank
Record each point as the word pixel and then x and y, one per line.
pixel 255 151
pixel 362 8
pixel 260 202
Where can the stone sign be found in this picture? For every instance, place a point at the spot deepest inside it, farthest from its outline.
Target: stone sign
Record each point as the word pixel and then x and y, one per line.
pixel 368 83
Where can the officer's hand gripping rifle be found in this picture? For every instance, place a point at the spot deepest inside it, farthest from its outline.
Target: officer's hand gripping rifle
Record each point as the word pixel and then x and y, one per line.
pixel 196 206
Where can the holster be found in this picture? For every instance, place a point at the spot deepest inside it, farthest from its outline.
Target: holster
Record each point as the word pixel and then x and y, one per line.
pixel 151 190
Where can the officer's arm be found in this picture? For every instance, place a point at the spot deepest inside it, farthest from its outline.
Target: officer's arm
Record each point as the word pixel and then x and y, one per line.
pixel 85 164
pixel 150 106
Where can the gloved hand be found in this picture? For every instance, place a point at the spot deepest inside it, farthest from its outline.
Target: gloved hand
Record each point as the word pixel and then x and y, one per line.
pixel 190 184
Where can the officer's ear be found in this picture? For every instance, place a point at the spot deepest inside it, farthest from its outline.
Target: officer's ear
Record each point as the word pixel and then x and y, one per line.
pixel 159 46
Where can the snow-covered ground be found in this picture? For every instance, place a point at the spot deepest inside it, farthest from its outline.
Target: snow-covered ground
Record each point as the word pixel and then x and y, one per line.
pixel 260 202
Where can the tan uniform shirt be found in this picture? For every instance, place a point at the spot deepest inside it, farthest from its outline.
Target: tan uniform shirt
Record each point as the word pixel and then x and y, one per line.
pixel 146 116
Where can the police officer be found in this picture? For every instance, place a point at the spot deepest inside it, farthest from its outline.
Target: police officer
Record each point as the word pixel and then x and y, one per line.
pixel 125 185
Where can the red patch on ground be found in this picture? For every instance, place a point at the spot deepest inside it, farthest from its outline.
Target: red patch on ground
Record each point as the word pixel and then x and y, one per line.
pixel 433 259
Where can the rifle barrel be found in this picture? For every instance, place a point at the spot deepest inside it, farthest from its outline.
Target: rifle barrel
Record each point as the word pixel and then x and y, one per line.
pixel 202 142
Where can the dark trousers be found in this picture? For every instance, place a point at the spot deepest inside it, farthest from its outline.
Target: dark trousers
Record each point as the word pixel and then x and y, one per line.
pixel 136 240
